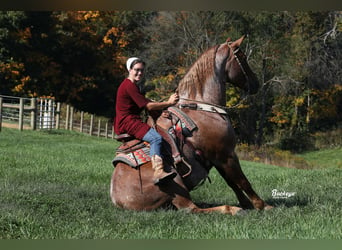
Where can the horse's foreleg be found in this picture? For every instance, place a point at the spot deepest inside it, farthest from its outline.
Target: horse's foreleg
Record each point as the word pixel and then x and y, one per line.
pixel 181 199
pixel 235 178
pixel 183 203
pixel 244 201
pixel 225 209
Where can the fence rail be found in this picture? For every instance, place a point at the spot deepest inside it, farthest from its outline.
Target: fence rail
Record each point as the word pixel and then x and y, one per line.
pixel 45 113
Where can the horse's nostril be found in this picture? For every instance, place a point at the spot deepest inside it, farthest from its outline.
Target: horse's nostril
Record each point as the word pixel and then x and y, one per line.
pixel 254 87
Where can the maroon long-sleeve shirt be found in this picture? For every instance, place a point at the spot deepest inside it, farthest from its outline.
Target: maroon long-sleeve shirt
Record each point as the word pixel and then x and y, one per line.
pixel 129 104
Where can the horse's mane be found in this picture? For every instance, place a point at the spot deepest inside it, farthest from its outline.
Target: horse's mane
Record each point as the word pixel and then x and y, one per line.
pixel 203 69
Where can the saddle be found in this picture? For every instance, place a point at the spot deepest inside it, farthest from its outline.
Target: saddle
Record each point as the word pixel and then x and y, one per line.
pixel 174 126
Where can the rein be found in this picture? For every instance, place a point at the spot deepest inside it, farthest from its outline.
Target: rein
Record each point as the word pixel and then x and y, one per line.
pixel 238 60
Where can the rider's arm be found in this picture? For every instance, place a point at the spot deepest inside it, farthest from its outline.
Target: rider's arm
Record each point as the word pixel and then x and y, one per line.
pixel 161 105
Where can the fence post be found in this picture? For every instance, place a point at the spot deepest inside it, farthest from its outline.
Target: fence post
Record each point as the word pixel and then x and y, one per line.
pixel 0 112
pixel 106 129
pixel 33 114
pixel 71 126
pixel 91 124
pixel 58 114
pixel 40 100
pixel 112 131
pixel 51 114
pixel 81 122
pixel 67 116
pixel 21 114
pixel 99 128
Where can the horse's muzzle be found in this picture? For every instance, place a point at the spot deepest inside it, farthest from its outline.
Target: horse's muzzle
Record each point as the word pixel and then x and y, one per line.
pixel 253 85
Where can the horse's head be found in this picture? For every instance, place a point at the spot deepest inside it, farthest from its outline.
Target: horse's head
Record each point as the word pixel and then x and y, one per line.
pixel 237 69
pixel 207 77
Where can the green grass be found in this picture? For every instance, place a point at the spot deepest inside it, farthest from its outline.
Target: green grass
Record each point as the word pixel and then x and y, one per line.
pixel 55 185
pixel 325 158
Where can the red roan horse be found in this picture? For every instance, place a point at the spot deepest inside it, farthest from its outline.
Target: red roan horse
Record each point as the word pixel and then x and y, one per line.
pixel 203 90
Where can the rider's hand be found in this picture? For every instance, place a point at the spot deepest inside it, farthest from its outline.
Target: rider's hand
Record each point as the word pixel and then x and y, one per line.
pixel 173 99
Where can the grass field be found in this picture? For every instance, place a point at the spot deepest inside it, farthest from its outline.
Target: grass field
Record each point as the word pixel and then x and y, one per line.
pixel 55 185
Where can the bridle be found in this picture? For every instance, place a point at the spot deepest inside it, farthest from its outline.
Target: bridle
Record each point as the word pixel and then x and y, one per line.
pixel 214 108
pixel 238 60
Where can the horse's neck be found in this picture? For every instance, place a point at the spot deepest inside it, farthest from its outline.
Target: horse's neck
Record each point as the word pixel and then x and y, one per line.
pixel 204 83
pixel 210 92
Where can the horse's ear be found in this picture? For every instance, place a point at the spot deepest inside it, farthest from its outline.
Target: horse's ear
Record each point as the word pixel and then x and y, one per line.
pixel 238 42
pixel 228 39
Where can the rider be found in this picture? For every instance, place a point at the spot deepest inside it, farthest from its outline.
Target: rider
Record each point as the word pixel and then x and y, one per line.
pixel 129 104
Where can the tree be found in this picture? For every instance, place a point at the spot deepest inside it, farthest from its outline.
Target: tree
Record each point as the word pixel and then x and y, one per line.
pixel 75 56
pixel 264 47
pixel 176 39
pixel 79 58
pixel 11 37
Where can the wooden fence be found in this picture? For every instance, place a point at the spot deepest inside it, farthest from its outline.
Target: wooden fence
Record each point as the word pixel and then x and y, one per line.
pixel 45 113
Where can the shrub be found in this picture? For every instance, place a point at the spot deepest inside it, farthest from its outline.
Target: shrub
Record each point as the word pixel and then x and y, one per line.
pixel 328 139
pixel 271 155
pixel 297 143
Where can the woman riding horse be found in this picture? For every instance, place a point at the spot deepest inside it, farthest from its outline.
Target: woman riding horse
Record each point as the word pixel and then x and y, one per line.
pixel 202 97
pixel 129 104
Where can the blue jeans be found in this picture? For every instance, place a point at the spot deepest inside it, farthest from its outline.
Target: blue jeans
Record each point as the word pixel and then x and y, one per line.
pixel 155 140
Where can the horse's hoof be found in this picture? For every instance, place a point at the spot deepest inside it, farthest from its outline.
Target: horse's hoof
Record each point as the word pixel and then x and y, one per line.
pixel 268 207
pixel 236 210
pixel 241 212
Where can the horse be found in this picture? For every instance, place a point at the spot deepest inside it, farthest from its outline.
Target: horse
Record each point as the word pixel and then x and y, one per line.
pixel 202 97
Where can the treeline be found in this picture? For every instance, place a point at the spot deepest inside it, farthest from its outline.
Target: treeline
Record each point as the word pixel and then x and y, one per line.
pixel 78 57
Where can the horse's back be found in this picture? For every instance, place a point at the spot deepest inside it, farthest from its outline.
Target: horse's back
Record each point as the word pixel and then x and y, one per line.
pixel 134 189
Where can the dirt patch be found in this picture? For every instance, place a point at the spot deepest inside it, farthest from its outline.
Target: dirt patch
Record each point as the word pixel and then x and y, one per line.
pixel 14 125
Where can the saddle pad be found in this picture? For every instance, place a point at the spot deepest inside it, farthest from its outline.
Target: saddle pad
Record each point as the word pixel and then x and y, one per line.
pixel 131 146
pixel 133 159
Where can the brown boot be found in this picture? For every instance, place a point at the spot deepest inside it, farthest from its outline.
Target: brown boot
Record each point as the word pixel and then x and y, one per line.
pixel 159 174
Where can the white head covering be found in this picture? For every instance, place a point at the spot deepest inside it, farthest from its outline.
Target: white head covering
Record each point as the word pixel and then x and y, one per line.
pixel 129 62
